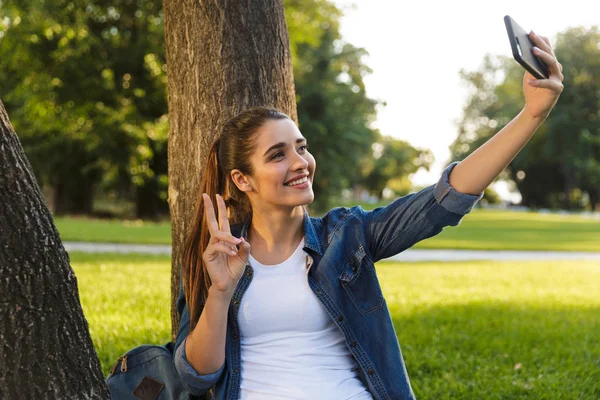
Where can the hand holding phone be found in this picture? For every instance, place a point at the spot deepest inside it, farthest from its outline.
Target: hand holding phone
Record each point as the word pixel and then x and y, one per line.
pixel 522 49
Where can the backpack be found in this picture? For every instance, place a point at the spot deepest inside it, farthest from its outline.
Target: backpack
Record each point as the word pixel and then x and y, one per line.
pixel 147 372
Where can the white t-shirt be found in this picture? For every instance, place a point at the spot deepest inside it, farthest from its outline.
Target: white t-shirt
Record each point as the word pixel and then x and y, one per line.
pixel 290 347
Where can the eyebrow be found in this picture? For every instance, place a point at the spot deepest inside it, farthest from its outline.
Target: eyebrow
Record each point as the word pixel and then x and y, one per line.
pixel 282 144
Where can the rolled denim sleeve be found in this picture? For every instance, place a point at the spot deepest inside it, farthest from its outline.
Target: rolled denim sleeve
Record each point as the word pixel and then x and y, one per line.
pixel 394 228
pixel 451 199
pixel 197 384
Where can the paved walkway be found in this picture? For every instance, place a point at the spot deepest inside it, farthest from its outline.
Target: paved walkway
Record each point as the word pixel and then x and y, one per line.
pixel 88 247
pixel 411 255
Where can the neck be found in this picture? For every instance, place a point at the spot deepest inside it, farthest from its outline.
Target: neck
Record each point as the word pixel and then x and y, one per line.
pixel 276 231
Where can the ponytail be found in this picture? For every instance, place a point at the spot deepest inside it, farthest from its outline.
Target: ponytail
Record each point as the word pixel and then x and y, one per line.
pixel 196 280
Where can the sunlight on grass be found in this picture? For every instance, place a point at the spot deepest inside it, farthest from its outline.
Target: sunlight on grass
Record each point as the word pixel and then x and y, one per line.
pixel 476 330
pixel 500 330
pixel 126 300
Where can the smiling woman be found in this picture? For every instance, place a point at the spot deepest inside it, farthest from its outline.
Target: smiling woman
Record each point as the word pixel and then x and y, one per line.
pixel 283 305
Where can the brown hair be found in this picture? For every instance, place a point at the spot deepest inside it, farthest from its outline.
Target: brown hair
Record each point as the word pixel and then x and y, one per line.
pixel 230 151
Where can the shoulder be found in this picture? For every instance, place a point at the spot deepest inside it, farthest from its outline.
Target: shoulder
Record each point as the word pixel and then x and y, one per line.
pixel 338 217
pixel 338 214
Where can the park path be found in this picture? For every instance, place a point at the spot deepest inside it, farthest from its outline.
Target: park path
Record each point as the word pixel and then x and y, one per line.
pixel 410 255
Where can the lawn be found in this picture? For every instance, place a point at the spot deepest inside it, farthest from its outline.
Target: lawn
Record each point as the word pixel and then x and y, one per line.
pixel 506 230
pixel 125 299
pixel 481 230
pixel 476 330
pixel 113 231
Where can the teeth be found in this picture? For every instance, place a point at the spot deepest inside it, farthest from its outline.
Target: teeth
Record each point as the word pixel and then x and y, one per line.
pixel 299 181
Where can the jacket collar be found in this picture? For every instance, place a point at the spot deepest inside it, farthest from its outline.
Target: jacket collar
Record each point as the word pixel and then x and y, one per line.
pixel 311 239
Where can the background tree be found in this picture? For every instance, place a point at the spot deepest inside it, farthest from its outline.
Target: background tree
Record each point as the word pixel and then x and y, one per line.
pixel 46 349
pixel 212 78
pixel 560 166
pixel 90 105
pixel 393 160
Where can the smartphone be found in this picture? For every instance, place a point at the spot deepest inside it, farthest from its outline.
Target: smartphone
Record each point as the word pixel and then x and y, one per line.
pixel 522 49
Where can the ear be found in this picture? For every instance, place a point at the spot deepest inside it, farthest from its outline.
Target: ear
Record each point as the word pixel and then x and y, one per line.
pixel 241 181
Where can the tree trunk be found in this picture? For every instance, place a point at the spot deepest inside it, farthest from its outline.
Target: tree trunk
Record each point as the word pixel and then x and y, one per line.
pixel 222 57
pixel 45 346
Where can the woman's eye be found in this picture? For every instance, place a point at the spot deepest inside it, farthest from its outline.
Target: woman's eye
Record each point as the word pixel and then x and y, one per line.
pixel 281 154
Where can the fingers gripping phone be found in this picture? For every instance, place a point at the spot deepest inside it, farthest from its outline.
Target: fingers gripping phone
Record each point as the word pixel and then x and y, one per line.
pixel 522 49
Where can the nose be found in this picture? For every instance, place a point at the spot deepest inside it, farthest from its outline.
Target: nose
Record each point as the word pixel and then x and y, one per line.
pixel 299 162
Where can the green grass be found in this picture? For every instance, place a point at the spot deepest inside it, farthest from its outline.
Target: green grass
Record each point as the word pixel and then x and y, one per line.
pixel 477 330
pixel 125 299
pixel 505 230
pixel 498 330
pixel 113 231
pixel 481 230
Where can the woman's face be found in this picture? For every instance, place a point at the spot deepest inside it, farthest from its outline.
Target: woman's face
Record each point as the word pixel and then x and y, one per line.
pixel 283 167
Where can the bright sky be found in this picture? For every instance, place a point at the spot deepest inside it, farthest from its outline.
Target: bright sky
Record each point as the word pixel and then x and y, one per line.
pixel 416 50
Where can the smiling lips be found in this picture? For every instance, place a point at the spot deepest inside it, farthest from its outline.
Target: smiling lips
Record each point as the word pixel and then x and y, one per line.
pixel 297 181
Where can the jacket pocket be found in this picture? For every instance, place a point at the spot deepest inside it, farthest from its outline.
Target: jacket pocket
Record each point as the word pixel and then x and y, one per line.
pixel 359 280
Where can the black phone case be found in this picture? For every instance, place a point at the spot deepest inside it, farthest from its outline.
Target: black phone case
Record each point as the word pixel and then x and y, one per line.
pixel 522 49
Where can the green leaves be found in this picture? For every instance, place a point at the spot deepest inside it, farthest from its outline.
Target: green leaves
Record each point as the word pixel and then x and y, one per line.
pixel 85 84
pixel 392 162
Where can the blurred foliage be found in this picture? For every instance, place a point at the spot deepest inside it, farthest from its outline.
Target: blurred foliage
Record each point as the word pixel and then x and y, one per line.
pixel 392 162
pixel 560 167
pixel 84 82
pixel 490 196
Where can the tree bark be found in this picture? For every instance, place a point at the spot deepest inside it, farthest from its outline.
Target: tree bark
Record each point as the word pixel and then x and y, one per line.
pixel 45 347
pixel 222 57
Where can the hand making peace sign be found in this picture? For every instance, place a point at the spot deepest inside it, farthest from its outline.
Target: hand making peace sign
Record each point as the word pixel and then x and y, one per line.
pixel 224 262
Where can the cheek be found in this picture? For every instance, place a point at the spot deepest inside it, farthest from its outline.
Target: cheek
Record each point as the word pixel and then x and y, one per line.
pixel 275 175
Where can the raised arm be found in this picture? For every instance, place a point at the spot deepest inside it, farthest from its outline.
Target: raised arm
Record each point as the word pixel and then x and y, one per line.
pixel 478 170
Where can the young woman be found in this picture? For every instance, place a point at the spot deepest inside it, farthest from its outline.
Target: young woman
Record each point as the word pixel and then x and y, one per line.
pixel 281 305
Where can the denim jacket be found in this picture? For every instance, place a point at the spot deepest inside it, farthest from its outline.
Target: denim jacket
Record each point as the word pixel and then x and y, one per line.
pixel 343 247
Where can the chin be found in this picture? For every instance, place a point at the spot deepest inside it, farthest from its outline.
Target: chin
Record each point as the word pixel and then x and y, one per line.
pixel 304 200
pixel 306 203
pixel 309 198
